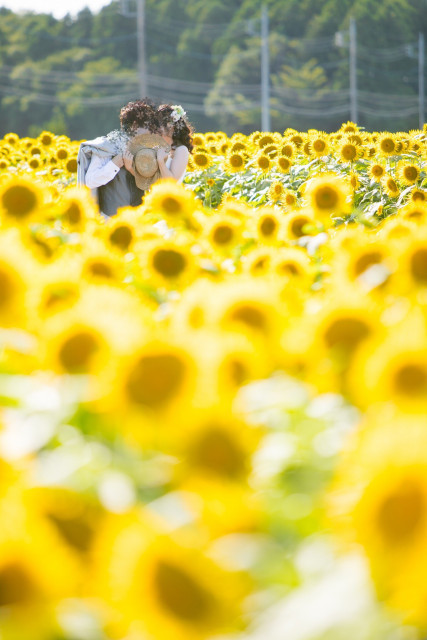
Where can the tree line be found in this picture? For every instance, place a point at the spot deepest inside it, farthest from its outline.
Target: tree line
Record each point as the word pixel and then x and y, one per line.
pixel 71 75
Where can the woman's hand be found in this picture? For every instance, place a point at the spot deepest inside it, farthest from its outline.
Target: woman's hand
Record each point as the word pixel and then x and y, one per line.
pixel 128 161
pixel 161 155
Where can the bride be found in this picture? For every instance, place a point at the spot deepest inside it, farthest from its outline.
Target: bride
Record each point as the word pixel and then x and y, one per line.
pixel 178 133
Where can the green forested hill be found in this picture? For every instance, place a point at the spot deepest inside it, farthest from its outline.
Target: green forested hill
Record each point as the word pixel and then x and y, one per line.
pixel 72 75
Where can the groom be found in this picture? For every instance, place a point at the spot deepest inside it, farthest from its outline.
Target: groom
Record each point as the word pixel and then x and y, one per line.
pixel 106 166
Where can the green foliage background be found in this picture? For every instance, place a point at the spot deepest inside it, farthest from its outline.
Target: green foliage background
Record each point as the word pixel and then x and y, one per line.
pixel 48 65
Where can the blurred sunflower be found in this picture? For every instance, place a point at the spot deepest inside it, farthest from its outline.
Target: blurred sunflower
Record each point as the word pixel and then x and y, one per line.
pixel 327 195
pixel 408 173
pixel 20 200
pixel 234 162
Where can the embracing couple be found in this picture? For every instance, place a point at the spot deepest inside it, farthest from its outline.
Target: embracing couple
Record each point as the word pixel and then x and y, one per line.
pixel 152 143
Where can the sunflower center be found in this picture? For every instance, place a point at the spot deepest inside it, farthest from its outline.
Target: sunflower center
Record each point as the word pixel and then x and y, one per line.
pixel 6 289
pixel 319 145
pixel 297 227
pixel 419 265
pixel 326 197
pixel 238 372
pixel 249 315
pixel 222 234
pixel 367 260
pixel 263 162
pixel 388 145
pixel 73 213
pixel 218 452
pixel 75 531
pixel 72 165
pixel 377 170
pixel 200 160
pixel 77 352
pixel 349 152
pixel 410 173
pixel 168 262
pixel 180 594
pixel 288 268
pixel 16 586
pixel 411 380
pixel 155 379
pixel 121 237
pixel 236 160
pixel 401 513
pixel 171 205
pixel 268 226
pixel 346 333
pixel 100 269
pixel 19 201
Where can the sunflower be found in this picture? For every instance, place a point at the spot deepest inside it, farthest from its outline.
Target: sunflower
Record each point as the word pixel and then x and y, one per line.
pixel 298 223
pixel 216 444
pixel 289 198
pixel 265 140
pixel 170 200
pixel 75 346
pixel 418 195
pixel 263 162
pixel 121 233
pixel 198 140
pixel 354 180
pixel 414 262
pixel 223 231
pixel 71 165
pixel 164 587
pixel 76 208
pixel 390 186
pixel 349 151
pixel 46 138
pixel 377 171
pixel 328 194
pixel 62 153
pixel 234 162
pixel 268 224
pixel 414 211
pixel 408 173
pixel 11 139
pixel 156 376
pixel 275 191
pixel 20 200
pixel 168 262
pixel 202 161
pixel 387 144
pixel 258 261
pixel 289 149
pixel 283 164
pixel 349 127
pixel 319 145
pixel 380 502
pixel 292 263
pixel 393 370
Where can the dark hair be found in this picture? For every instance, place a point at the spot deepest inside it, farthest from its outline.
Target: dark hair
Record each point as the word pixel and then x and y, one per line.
pixel 182 129
pixel 139 113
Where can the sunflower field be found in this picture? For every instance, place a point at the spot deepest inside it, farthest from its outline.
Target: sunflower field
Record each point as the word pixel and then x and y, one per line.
pixel 213 406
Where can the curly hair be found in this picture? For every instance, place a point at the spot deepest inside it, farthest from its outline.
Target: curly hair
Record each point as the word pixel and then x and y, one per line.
pixel 139 113
pixel 182 130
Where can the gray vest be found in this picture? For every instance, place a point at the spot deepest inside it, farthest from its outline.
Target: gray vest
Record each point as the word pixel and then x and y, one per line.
pixel 121 191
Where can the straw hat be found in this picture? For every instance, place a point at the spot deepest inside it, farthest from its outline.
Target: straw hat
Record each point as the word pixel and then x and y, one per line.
pixel 144 149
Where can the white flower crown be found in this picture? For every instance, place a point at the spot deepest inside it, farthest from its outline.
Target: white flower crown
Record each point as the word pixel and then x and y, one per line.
pixel 177 113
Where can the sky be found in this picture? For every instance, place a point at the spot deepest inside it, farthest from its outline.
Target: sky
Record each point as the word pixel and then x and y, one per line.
pixel 58 9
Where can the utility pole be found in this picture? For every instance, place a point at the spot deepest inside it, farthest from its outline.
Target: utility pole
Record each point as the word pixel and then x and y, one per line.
pixel 421 90
pixel 353 71
pixel 265 71
pixel 140 27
